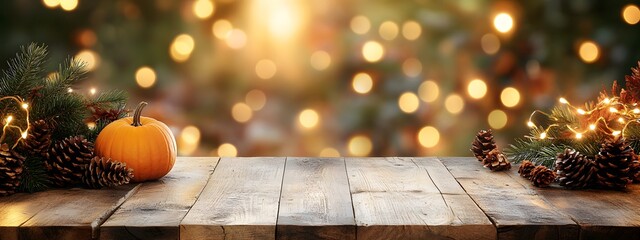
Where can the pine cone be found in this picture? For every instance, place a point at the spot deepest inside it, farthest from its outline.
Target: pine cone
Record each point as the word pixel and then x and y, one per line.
pixel 103 172
pixel 39 138
pixel 613 163
pixel 11 166
pixel 542 176
pixel 67 159
pixel 574 170
pixel 483 144
pixel 525 169
pixel 633 83
pixel 634 171
pixel 496 161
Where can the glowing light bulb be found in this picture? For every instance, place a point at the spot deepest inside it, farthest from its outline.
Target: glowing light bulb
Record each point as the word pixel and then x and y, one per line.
pixel 503 22
pixel 563 100
pixel 92 91
pixel 581 112
pixel 25 106
pixel 543 135
pixel 606 101
pixel 530 124
pixel 616 133
pixel 9 119
pixel 636 111
pixel 621 120
pixel 578 135
pixel 592 127
pixel 24 135
pixel 613 110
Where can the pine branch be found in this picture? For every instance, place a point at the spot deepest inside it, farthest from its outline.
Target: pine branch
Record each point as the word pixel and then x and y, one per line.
pixel 71 71
pixel 24 71
pixel 34 176
pixel 109 99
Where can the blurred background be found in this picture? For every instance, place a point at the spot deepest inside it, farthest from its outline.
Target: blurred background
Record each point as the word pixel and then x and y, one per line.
pixel 335 77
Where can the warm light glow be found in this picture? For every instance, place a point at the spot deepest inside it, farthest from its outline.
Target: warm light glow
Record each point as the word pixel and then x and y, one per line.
pixel 360 146
pixel 530 124
pixel 636 111
pixel 543 135
pixel 408 102
pixel 181 48
pixel 320 60
pixel 241 112
pixel 388 30
pixel 329 152
pixel 222 28
pixel 412 67
pixel 613 110
pixel 563 100
pixel 589 51
pixel 372 51
pixel 203 8
pixel 68 5
pixel 227 150
pixel 90 58
pixel 308 118
pixel 606 100
pixel 8 120
pixel 510 97
pixel 362 83
pixel 497 119
pixel 24 135
pixel 621 120
pixel 581 111
pixel 454 103
pixel 578 135
pixel 592 127
pixel 428 136
pixel 24 105
pixel 51 3
pixel 92 91
pixel 266 69
pixel 503 22
pixel 256 99
pixel 631 14
pixel 477 88
pixel 411 30
pixel 428 91
pixel 616 133
pixel 145 77
pixel 236 39
pixel 188 140
pixel 360 25
pixel 490 43
pixel 91 125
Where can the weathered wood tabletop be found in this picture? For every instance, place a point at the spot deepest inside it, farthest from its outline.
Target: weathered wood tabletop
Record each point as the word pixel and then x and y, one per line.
pixel 325 198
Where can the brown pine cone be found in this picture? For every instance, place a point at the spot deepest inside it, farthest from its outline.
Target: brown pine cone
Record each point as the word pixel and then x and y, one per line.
pixel 542 176
pixel 67 159
pixel 39 138
pixel 482 144
pixel 634 171
pixel 11 167
pixel 525 169
pixel 496 161
pixel 103 172
pixel 574 170
pixel 613 163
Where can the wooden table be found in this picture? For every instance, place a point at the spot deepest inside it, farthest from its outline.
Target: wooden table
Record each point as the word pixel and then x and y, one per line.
pixel 325 198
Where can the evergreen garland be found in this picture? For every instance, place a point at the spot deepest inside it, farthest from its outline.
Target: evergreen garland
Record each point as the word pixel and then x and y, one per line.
pixel 51 98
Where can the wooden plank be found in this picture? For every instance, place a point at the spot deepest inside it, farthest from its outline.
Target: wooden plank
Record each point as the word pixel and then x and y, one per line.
pixel 155 211
pixel 315 202
pixel 517 211
pixel 240 201
pixel 394 198
pixel 601 214
pixel 61 214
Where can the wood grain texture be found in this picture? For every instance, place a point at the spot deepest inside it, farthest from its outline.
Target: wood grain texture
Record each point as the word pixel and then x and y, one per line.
pixel 394 198
pixel 315 202
pixel 518 212
pixel 240 201
pixel 157 208
pixel 601 214
pixel 71 213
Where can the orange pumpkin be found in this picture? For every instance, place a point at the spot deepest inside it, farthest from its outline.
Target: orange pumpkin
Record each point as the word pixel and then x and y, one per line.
pixel 146 145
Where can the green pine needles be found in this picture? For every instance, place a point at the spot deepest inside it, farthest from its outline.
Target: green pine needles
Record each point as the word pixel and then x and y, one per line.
pixel 51 97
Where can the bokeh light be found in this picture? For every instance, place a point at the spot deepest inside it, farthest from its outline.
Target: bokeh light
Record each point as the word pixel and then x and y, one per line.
pixel 227 150
pixel 236 39
pixel 362 83
pixel 490 43
pixel 454 103
pixel 631 14
pixel 308 118
pixel 241 112
pixel 145 77
pixel 411 30
pixel 360 25
pixel 510 97
pixel 372 51
pixel 189 140
pixel 360 146
pixel 266 69
pixel 429 91
pixel 182 47
pixel 408 102
pixel 412 67
pixel 503 22
pixel 256 99
pixel 428 136
pixel 90 58
pixel 203 8
pixel 51 3
pixel 222 28
pixel 477 88
pixel 589 51
pixel 388 30
pixel 329 152
pixel 320 60
pixel 497 119
pixel 68 5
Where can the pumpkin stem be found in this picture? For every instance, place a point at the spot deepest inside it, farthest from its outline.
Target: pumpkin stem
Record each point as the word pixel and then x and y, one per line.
pixel 136 114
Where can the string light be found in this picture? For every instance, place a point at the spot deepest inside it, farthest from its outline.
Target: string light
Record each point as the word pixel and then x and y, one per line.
pixel 10 119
